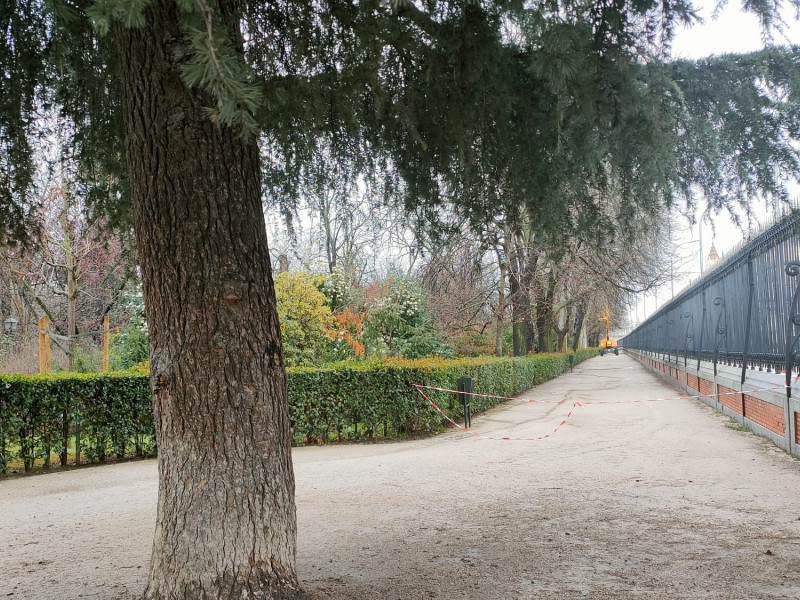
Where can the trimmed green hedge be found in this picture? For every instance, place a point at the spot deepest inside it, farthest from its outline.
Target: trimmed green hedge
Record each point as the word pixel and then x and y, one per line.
pixel 40 414
pixel 112 412
pixel 356 399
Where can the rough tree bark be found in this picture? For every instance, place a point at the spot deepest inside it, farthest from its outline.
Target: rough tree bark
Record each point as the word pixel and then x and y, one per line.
pixel 226 525
pixel 561 334
pixel 517 339
pixel 521 278
pixel 580 317
pixel 528 283
pixel 544 298
pixel 501 306
pixel 71 290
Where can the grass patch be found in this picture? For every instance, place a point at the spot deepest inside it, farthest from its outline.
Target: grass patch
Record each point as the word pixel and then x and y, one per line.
pixel 736 426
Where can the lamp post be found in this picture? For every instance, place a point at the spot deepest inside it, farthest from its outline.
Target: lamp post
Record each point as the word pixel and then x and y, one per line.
pixel 10 325
pixel 700 235
pixel 672 263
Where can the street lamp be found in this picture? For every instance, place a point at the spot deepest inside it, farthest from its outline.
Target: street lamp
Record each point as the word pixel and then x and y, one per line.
pixel 672 263
pixel 700 232
pixel 10 325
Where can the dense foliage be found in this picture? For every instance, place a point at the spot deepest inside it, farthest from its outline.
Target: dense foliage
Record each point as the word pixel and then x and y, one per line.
pixel 112 412
pixel 398 323
pixel 129 343
pixel 373 398
pixel 307 325
pixel 39 414
pixel 571 114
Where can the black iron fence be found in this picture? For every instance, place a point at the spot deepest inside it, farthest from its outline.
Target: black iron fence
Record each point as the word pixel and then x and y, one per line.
pixel 745 312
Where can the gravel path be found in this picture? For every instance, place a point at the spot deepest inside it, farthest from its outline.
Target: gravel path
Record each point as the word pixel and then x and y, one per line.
pixel 646 500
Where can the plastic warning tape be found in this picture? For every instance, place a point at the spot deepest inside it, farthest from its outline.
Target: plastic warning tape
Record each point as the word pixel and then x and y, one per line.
pixel 419 387
pixel 439 389
pixel 636 401
pixel 495 438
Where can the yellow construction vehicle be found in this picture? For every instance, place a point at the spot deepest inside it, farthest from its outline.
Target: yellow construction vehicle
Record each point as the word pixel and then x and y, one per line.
pixel 608 345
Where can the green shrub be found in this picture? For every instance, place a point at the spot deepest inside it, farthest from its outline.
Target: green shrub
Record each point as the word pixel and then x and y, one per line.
pixel 307 324
pixel 129 347
pixel 40 413
pixel 354 399
pixel 422 342
pixel 357 399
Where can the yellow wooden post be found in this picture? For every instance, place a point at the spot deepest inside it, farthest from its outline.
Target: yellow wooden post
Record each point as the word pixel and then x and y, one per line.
pixel 105 343
pixel 41 346
pixel 47 363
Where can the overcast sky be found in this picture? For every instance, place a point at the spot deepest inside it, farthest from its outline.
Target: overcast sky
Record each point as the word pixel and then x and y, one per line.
pixel 731 32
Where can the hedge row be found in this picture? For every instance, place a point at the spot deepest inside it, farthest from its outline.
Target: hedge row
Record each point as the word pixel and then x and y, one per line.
pixel 112 413
pixel 373 398
pixel 103 413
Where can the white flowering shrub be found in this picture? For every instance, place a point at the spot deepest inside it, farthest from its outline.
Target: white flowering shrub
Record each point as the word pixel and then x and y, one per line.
pixel 338 289
pixel 398 324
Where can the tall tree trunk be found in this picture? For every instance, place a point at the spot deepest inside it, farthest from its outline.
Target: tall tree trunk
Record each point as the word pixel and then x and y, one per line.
pixel 513 293
pixel 561 343
pixel 520 299
pixel 542 331
pixel 580 317
pixel 517 315
pixel 501 307
pixel 544 316
pixel 72 310
pixel 226 525
pixel 527 284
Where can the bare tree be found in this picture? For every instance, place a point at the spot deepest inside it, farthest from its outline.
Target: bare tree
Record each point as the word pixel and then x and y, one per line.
pixel 73 276
pixel 457 277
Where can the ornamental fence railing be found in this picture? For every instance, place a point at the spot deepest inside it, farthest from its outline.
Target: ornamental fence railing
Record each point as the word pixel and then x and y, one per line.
pixel 745 312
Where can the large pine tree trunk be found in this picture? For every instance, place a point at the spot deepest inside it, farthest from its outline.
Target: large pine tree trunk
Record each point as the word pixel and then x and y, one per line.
pixel 226 525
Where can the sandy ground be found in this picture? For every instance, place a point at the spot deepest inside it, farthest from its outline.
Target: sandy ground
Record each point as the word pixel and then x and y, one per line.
pixel 636 500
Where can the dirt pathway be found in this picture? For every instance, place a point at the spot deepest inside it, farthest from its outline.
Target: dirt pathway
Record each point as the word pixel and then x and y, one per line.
pixel 648 500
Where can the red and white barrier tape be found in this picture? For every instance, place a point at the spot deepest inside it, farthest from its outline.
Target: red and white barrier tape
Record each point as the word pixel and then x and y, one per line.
pixel 575 405
pixel 504 438
pixel 640 400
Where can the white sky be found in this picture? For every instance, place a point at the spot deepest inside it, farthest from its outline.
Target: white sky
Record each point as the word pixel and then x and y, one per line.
pixel 731 32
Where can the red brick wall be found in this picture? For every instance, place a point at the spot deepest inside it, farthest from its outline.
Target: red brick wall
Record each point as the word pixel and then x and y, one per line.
pixel 732 401
pixel 797 428
pixel 765 414
pixel 706 386
pixel 693 382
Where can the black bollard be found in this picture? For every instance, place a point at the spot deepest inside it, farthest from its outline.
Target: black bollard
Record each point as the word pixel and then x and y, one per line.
pixel 465 387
